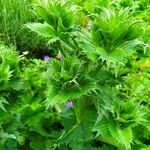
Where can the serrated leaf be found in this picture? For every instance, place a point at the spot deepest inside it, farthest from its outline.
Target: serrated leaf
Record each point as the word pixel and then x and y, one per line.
pixel 62 96
pixel 17 85
pixel 7 136
pixel 78 133
pixel 130 45
pixel 122 136
pixel 44 30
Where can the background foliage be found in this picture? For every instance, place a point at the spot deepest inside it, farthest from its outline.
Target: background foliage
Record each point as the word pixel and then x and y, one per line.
pixel 74 75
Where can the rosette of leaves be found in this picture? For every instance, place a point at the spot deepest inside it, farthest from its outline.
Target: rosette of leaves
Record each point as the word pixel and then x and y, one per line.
pixel 58 18
pixel 117 119
pixel 67 79
pixel 116 35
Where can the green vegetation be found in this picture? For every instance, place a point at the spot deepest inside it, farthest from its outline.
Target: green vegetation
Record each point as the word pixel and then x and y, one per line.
pixel 74 75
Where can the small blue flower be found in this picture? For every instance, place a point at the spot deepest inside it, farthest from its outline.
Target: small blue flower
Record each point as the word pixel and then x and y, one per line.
pixel 46 58
pixel 69 104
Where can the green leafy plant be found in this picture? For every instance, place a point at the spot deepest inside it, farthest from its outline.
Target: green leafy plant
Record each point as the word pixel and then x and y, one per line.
pixel 57 24
pixel 117 35
pixel 67 80
pixel 95 96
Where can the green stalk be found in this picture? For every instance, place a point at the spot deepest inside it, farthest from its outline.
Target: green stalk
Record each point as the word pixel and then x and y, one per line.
pixel 61 48
pixel 78 109
pixel 57 107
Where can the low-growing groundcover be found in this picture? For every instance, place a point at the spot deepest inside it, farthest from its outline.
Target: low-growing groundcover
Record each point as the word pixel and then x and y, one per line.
pixel 95 95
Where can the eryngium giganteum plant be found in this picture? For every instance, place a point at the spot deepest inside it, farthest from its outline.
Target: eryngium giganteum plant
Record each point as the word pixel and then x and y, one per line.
pixel 103 106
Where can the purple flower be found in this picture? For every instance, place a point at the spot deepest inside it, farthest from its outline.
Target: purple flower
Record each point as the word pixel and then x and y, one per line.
pixel 69 104
pixel 46 58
